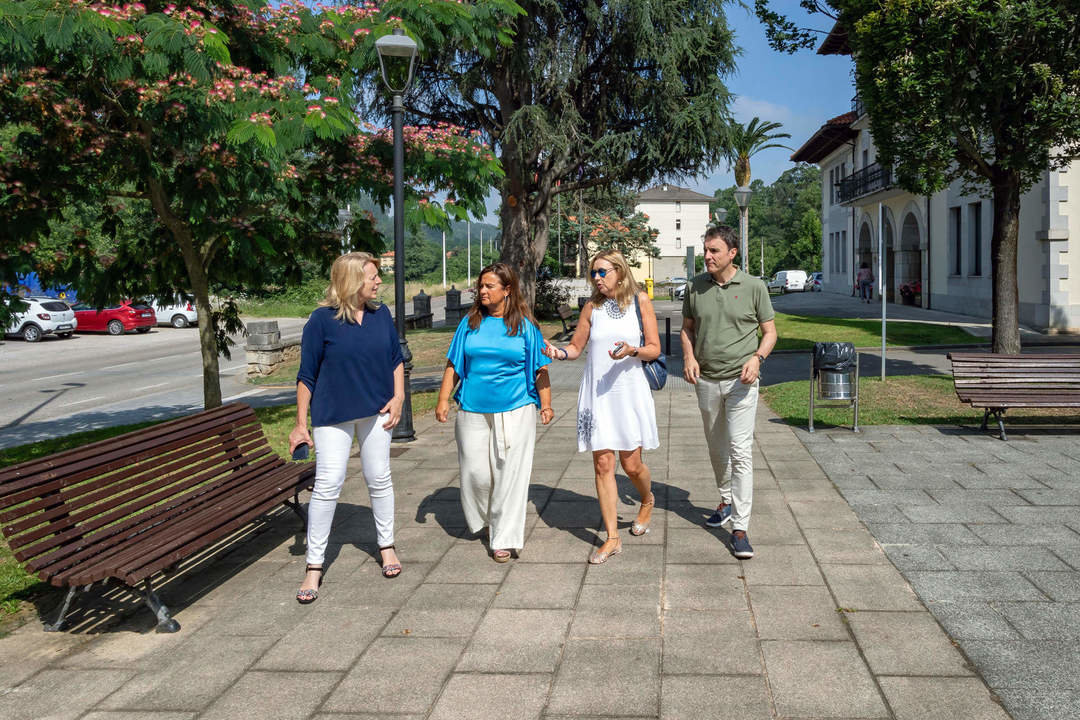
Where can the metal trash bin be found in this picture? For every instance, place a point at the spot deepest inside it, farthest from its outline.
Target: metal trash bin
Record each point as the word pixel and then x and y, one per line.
pixel 834 378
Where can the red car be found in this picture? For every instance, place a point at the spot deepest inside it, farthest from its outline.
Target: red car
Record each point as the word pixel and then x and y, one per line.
pixel 115 319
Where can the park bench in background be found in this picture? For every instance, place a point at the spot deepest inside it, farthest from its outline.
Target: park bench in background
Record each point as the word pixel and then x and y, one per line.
pixel 569 319
pixel 999 382
pixel 133 506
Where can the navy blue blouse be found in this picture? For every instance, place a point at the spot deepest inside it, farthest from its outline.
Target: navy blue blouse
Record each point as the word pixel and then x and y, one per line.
pixel 349 368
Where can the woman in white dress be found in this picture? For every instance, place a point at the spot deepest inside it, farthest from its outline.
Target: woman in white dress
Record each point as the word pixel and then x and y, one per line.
pixel 615 405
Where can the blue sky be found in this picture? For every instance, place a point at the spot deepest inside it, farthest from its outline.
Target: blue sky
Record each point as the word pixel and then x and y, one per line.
pixel 799 91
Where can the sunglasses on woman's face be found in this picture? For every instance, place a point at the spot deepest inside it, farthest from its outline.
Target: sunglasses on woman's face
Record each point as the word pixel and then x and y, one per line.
pixel 602 272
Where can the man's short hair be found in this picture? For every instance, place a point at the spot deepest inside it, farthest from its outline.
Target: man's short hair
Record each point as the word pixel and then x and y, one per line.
pixel 726 233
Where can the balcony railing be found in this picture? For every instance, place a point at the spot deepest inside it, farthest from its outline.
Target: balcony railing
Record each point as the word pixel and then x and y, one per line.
pixel 858 107
pixel 870 179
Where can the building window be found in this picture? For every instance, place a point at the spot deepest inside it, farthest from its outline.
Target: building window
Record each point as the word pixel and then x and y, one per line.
pixel 975 220
pixel 843 251
pixel 678 243
pixel 678 224
pixel 678 207
pixel 865 158
pixel 957 237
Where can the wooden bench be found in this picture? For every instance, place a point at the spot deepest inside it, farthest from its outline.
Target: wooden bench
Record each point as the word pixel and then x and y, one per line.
pixel 569 319
pixel 135 505
pixel 999 382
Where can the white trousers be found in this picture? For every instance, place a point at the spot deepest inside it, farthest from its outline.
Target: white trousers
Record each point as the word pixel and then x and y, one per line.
pixel 333 444
pixel 495 452
pixel 728 410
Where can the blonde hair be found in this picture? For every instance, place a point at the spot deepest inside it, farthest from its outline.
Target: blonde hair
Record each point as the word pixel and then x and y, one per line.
pixel 346 280
pixel 627 288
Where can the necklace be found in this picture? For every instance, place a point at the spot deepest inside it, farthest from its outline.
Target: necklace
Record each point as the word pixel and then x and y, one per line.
pixel 612 309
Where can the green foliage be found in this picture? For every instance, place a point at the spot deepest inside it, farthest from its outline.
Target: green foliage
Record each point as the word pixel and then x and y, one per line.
pixel 605 219
pixel 549 296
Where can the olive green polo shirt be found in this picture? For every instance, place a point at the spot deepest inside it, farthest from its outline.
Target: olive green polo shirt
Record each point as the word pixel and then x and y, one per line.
pixel 726 320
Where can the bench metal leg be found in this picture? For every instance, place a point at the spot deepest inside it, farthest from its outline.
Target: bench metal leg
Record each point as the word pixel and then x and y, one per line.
pixel 1001 423
pixel 166 624
pixel 297 508
pixel 986 417
pixel 59 624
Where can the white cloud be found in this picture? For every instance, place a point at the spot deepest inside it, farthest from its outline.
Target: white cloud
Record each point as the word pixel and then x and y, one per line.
pixel 746 108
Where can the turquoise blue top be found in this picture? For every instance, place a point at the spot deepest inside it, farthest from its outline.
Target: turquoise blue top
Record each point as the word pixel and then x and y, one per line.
pixel 497 371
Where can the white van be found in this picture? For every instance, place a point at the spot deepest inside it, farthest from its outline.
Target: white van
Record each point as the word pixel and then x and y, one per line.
pixel 787 281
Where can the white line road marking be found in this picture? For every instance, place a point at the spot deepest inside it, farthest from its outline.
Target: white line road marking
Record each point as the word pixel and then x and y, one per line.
pixel 80 402
pixel 148 387
pixel 112 367
pixel 243 394
pixel 53 377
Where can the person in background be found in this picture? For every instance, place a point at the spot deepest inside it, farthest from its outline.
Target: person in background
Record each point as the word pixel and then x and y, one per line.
pixel 497 353
pixel 865 280
pixel 352 378
pixel 615 405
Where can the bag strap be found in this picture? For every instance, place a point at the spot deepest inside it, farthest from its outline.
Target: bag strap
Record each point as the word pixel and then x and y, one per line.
pixel 641 325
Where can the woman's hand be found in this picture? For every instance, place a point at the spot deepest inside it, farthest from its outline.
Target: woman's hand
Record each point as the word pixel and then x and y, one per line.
pixel 622 350
pixel 551 351
pixel 442 410
pixel 299 436
pixel 546 415
pixel 394 409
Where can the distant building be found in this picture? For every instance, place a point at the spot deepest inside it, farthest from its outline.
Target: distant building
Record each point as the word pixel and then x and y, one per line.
pixel 680 217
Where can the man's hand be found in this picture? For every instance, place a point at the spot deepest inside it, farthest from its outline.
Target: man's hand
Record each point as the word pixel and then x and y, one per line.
pixel 691 370
pixel 751 370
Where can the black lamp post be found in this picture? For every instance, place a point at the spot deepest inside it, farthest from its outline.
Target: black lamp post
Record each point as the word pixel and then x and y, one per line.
pixel 395 49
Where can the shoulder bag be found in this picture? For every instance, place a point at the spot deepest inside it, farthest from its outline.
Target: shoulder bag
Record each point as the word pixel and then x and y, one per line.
pixel 655 370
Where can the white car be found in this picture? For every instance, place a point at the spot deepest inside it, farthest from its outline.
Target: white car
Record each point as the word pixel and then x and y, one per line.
pixel 787 281
pixel 45 316
pixel 179 316
pixel 678 290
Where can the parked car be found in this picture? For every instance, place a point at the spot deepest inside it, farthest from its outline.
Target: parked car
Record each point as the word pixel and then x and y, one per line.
pixel 678 290
pixel 115 319
pixel 813 283
pixel 44 316
pixel 787 281
pixel 179 316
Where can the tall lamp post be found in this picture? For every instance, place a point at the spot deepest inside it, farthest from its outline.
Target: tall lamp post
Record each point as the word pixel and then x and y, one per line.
pixel 398 49
pixel 742 199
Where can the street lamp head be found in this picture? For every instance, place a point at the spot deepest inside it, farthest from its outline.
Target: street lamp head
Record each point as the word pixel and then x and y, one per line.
pixel 742 196
pixel 396 49
pixel 719 215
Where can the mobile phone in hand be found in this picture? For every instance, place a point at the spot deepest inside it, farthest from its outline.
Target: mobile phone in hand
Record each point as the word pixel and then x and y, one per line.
pixel 301 452
pixel 618 347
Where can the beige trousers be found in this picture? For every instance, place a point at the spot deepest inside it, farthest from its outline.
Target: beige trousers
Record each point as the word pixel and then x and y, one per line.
pixel 728 410
pixel 495 453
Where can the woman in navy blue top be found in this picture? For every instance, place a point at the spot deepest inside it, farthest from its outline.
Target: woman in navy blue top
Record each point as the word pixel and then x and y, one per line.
pixel 497 352
pixel 352 377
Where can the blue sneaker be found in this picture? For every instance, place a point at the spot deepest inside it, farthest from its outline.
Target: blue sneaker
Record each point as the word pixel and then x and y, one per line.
pixel 721 516
pixel 740 545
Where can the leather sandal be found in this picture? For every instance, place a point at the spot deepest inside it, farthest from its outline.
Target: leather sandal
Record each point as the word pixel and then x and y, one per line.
pixel 639 529
pixel 306 596
pixel 389 570
pixel 500 556
pixel 600 556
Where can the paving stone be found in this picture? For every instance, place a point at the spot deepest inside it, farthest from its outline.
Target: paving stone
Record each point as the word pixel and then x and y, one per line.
pixel 330 639
pixel 270 695
pixel 517 641
pixel 691 637
pixel 775 529
pixel 617 611
pixel 1051 535
pixel 1044 496
pixel 584 514
pixel 701 545
pixel 555 545
pixel 845 545
pixel 796 613
pixel 1059 586
pixel 821 680
pixel 833 513
pixel 1026 664
pixel 972 620
pixel 993 498
pixel 1040 703
pixel 925 534
pixel 608 677
pixel 1013 480
pixel 918 698
pixel 537 585
pixel 1069 553
pixel 148 715
pixel 129 644
pixel 366 587
pixel 189 681
pixel 419 669
pixel 968 513
pixel 507 697
pixel 635 565
pixel 916 557
pixel 61 694
pixel 468 563
pixel 905 644
pixel 441 610
pixel 973 585
pixel 870 587
pixel 697 587
pixel 880 513
pixel 791 565
pixel 1043 620
pixel 689 698
pixel 995 557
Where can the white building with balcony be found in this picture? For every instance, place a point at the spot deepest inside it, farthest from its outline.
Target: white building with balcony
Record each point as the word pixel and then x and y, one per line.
pixel 680 217
pixel 940 243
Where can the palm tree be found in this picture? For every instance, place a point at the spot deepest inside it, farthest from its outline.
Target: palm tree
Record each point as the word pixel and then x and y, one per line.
pixel 748 141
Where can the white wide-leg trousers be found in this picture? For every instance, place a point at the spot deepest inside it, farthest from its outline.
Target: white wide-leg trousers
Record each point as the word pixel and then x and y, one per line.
pixel 495 452
pixel 728 410
pixel 333 444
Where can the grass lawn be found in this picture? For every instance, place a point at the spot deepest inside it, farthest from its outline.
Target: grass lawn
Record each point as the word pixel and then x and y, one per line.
pixel 901 400
pixel 17 588
pixel 299 302
pixel 800 332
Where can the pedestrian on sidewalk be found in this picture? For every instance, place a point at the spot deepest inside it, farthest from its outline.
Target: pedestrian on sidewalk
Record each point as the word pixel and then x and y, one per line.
pixel 352 377
pixel 865 280
pixel 723 311
pixel 497 353
pixel 615 405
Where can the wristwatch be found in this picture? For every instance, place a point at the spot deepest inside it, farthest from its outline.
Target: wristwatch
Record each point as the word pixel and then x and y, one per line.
pixel 760 357
pixel 634 353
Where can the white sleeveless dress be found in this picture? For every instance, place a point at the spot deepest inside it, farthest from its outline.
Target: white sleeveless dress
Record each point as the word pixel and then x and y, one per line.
pixel 615 403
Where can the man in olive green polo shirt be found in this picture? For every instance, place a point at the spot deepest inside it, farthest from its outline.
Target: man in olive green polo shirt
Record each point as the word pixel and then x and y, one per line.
pixel 722 312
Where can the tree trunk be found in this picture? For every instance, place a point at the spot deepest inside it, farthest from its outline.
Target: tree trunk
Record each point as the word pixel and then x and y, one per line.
pixel 525 223
pixel 1003 243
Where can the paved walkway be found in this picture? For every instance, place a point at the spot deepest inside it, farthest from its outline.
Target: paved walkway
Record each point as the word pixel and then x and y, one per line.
pixel 819 625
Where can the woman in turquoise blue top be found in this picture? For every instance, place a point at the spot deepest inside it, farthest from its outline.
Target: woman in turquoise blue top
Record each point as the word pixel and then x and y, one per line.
pixel 497 353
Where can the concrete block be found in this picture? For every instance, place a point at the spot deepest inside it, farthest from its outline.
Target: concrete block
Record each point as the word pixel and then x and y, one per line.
pixel 1042 620
pixel 930 534
pixel 844 545
pixel 626 683
pixel 617 611
pixel 441 610
pixel 821 680
pixel 917 698
pixel 1040 703
pixel 261 326
pixel 540 585
pixel 691 698
pixel 968 585
pixel 697 587
pixel 271 695
pixel 635 565
pixel 1059 586
pixel 517 641
pixel 796 613
pixel 907 643
pixel 330 639
pixel 916 557
pixel 870 587
pixel 789 565
pixel 690 643
pixel 507 697
pixel 972 620
pixel 1026 664
pixel 61 694
pixel 996 557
